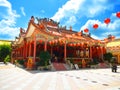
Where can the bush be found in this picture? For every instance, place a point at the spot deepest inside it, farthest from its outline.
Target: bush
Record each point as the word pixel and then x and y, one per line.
pixel 94 61
pixel 4 51
pixel 108 56
pixel 44 58
pixel 21 62
pixel 7 59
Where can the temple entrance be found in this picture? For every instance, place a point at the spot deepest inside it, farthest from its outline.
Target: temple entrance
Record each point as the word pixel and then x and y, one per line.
pixel 58 54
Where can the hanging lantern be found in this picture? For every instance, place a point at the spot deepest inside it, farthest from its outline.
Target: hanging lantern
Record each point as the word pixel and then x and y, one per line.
pixel 56 41
pixel 78 44
pixel 86 30
pixel 40 41
pixel 95 26
pixel 118 14
pixel 107 21
pixel 60 42
pixel 82 44
pixel 71 44
pixel 74 44
pixel 68 44
pixel 50 42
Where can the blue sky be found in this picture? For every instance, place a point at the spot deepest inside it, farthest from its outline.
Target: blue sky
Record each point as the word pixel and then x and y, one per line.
pixel 79 14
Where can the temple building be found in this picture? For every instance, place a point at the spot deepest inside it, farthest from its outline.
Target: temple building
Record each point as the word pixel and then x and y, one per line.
pixel 114 48
pixel 47 35
pixel 6 42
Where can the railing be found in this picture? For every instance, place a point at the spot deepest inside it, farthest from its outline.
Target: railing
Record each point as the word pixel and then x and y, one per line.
pixel 69 58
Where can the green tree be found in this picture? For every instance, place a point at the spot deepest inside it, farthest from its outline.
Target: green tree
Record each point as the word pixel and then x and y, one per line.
pixel 108 56
pixel 44 58
pixel 4 51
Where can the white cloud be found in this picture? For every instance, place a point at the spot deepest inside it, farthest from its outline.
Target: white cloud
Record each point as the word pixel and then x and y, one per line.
pixel 72 20
pixel 10 32
pixel 5 3
pixel 70 8
pixel 80 8
pixel 22 10
pixel 92 8
pixel 8 21
pixel 94 36
pixel 103 30
pixel 89 24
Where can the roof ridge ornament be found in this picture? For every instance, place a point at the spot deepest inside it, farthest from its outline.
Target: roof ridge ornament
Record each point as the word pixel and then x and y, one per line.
pixel 32 19
pixel 70 28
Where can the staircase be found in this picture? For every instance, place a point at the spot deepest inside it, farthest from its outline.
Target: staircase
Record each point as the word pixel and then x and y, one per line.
pixel 59 66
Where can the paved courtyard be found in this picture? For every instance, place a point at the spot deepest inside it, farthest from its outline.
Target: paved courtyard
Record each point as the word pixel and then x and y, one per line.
pixel 14 78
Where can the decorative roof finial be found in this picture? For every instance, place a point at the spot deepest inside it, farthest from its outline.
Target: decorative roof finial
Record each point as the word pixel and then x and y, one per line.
pixel 32 18
pixel 70 28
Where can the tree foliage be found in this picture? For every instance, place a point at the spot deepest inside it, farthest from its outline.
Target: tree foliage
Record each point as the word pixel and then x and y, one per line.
pixel 4 51
pixel 44 58
pixel 108 56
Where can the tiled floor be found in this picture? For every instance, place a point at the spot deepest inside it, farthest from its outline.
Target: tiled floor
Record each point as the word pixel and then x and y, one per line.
pixel 14 78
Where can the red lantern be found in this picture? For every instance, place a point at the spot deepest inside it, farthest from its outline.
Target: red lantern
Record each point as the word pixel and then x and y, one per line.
pixel 78 44
pixel 70 44
pixel 86 30
pixel 95 26
pixel 56 41
pixel 50 42
pixel 118 14
pixel 74 44
pixel 107 20
pixel 40 41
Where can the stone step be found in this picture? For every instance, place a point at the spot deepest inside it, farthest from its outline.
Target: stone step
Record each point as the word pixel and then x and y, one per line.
pixel 59 66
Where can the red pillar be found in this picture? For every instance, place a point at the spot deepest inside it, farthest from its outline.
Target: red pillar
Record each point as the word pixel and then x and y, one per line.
pixel 29 49
pixel 90 52
pixel 93 51
pixel 45 45
pixel 26 50
pixel 18 52
pixel 15 53
pixel 22 51
pixel 65 51
pixel 101 52
pixel 34 53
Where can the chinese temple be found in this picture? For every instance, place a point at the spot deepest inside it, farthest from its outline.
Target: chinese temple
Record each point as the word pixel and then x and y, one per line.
pixel 114 48
pixel 47 35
